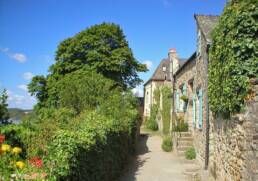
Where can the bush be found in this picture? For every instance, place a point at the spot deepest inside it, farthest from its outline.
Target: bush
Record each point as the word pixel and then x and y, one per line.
pixel 167 144
pixel 151 124
pixel 180 126
pixel 77 154
pixel 190 154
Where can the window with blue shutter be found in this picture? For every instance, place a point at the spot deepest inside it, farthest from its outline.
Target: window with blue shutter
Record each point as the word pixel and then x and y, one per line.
pixel 194 112
pixel 177 100
pixel 200 99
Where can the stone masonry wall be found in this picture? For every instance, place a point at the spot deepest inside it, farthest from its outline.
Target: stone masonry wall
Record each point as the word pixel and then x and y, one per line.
pixel 200 83
pixel 236 144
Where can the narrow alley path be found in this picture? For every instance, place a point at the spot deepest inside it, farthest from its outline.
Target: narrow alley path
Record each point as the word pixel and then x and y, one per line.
pixel 153 164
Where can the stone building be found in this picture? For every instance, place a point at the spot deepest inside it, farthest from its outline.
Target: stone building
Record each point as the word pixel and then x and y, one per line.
pixel 161 76
pixel 191 82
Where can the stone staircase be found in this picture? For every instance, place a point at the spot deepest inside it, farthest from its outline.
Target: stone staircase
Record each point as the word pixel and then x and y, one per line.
pixel 182 141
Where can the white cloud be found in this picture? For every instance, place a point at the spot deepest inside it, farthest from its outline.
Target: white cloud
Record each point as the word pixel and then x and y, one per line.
pixel 23 87
pixel 16 56
pixel 19 57
pixel 138 92
pixel 27 75
pixel 24 101
pixel 148 63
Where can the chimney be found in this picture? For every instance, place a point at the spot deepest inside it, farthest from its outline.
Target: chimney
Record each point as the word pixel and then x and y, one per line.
pixel 174 61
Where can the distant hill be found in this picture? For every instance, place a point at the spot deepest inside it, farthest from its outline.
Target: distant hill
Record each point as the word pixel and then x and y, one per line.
pixel 17 114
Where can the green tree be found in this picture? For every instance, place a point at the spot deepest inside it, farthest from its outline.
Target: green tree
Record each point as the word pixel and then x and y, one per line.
pixel 233 56
pixel 100 48
pixel 38 87
pixel 4 115
pixel 84 89
pixel 103 48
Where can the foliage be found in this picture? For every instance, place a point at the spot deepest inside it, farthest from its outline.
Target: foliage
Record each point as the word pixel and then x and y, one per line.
pixel 166 108
pixel 14 163
pixel 151 122
pixel 4 115
pixel 43 125
pixel 102 47
pixel 184 98
pixel 167 144
pixel 156 94
pixel 97 137
pixel 38 88
pixel 233 56
pixel 84 89
pixel 190 154
pixel 180 126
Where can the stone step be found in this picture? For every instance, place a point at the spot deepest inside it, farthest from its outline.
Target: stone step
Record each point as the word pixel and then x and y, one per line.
pixel 185 139
pixel 183 148
pixel 184 143
pixel 185 134
pixel 180 153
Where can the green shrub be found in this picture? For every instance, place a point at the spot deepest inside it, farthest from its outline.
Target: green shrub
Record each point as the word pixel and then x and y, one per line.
pixel 167 144
pixel 181 127
pixel 233 57
pixel 190 154
pixel 74 155
pixel 151 124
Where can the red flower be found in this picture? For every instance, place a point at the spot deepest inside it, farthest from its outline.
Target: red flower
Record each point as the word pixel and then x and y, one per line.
pixel 2 138
pixel 36 162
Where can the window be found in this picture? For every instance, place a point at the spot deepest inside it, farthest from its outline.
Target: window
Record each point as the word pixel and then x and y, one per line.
pixel 199 43
pixel 200 108
pixel 164 69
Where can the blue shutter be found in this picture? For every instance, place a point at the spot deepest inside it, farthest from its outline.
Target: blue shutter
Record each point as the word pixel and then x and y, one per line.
pixel 194 112
pixel 177 100
pixel 184 89
pixel 200 107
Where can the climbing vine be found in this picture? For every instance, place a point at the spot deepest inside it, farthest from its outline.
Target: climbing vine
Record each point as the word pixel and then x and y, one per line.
pixel 233 57
pixel 166 108
pixel 151 122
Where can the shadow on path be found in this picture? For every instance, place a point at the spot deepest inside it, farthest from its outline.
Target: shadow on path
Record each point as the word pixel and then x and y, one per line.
pixel 135 162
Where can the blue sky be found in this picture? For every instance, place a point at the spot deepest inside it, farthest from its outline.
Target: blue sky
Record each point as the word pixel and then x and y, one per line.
pixel 30 31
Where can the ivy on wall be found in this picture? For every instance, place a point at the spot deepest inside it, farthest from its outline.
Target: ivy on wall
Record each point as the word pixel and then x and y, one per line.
pixel 166 108
pixel 233 57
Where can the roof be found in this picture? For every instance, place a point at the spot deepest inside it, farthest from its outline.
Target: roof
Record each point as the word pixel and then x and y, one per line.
pixel 159 74
pixel 193 56
pixel 207 23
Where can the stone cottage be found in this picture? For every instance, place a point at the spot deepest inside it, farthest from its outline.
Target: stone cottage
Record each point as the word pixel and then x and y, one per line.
pixel 190 81
pixel 228 148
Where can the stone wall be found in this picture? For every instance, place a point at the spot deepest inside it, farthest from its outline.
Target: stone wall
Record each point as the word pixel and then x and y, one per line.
pixel 185 76
pixel 236 144
pixel 201 83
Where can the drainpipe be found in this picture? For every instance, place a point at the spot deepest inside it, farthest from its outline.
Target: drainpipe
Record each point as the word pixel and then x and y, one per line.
pixel 207 145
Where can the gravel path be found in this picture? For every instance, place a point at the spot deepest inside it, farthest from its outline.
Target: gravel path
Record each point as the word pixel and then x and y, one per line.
pixel 153 164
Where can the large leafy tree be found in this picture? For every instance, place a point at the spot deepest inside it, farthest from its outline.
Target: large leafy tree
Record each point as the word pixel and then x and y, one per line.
pixel 84 89
pixel 4 115
pixel 233 56
pixel 103 48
